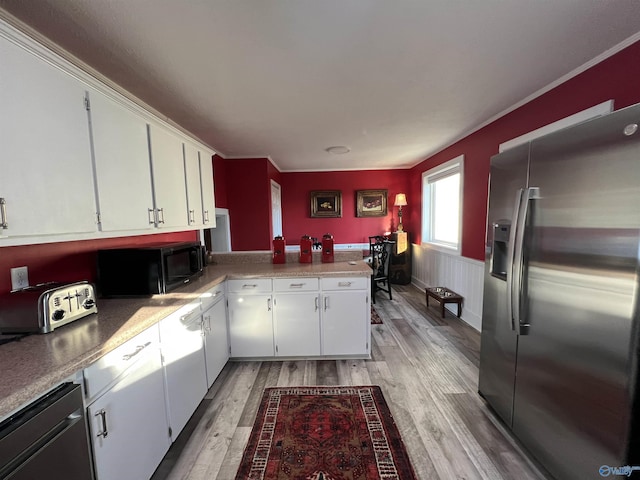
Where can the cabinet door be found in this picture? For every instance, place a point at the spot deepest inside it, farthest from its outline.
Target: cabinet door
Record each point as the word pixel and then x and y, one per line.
pixel 135 417
pixel 194 190
pixel 208 195
pixel 184 366
pixel 46 177
pixel 250 325
pixel 168 178
pixel 123 172
pixel 216 343
pixel 345 323
pixel 297 324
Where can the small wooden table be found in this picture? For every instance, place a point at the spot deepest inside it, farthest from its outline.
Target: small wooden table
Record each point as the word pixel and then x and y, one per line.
pixel 444 296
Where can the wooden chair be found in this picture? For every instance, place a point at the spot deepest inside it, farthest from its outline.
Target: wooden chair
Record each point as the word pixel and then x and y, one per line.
pixel 380 259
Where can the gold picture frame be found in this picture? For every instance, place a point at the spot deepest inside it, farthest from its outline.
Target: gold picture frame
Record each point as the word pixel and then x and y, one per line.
pixel 371 203
pixel 326 204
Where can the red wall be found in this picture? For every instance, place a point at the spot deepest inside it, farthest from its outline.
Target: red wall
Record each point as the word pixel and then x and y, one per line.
pixel 69 261
pixel 296 204
pixel 615 78
pixel 249 203
pixel 220 181
pixel 248 191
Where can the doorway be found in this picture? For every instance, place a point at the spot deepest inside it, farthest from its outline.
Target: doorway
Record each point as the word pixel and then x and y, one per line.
pixel 218 239
pixel 276 209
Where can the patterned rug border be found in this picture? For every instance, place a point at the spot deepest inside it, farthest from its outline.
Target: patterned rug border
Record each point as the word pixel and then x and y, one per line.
pixel 376 319
pixel 392 460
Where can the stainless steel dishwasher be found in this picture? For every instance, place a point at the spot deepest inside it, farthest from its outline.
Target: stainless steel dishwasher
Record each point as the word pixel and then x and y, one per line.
pixel 47 439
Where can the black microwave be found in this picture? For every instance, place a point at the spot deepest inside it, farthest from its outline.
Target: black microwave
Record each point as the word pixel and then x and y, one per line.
pixel 147 269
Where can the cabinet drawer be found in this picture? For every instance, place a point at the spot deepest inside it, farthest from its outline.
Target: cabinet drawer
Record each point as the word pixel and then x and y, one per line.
pixel 345 283
pixel 296 285
pixel 249 285
pixel 212 296
pixel 100 374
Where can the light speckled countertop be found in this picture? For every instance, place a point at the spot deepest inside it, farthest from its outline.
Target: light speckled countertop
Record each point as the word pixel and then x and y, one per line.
pixel 37 363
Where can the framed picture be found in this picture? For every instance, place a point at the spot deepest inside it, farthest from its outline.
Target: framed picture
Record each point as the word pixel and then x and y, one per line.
pixel 326 204
pixel 371 203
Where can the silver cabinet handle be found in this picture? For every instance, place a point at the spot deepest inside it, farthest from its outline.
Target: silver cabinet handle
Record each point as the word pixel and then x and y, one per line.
pixel 161 216
pixel 192 216
pixel 206 324
pixel 316 302
pixel 249 285
pixel 268 304
pixel 296 285
pixel 203 326
pixel 152 216
pixel 216 293
pixel 344 284
pixel 3 214
pixel 103 419
pixel 326 303
pixel 206 216
pixel 138 349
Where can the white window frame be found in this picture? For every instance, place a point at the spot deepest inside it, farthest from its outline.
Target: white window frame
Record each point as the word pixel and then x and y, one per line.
pixel 455 165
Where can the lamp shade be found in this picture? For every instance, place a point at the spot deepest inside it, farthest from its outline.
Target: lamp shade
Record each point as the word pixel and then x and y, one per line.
pixel 401 200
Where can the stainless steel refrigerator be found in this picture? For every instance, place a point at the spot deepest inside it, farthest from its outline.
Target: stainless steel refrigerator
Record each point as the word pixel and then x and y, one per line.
pixel 559 351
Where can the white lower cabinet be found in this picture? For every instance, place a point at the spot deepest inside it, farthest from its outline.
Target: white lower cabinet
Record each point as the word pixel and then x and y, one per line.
pixel 346 316
pixel 299 317
pixel 216 335
pixel 250 318
pixel 296 317
pixel 297 324
pixel 184 364
pixel 126 412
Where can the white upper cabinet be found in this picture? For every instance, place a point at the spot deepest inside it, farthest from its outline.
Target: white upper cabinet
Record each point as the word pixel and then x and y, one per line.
pixel 123 174
pixel 46 179
pixel 168 178
pixel 208 197
pixel 198 168
pixel 194 188
pixel 78 159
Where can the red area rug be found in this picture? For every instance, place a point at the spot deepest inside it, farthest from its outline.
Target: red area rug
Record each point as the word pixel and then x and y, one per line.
pixel 375 318
pixel 324 433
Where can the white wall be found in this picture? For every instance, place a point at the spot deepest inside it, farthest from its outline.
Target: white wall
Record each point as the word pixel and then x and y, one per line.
pixel 465 276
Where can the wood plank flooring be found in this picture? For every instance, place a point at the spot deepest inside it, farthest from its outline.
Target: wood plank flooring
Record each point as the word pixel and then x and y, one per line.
pixel 427 368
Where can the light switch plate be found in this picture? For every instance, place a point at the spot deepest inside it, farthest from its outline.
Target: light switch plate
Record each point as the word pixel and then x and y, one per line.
pixel 19 278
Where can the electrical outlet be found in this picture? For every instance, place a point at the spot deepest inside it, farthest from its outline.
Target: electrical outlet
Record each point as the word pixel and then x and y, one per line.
pixel 19 278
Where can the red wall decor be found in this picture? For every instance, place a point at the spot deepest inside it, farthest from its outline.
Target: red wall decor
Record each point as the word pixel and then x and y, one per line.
pixel 614 78
pixel 70 261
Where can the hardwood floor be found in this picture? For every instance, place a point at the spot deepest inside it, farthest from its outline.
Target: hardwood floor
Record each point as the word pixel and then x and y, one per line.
pixel 427 368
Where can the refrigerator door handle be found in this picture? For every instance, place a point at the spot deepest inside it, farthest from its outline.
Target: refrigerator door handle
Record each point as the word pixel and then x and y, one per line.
pixel 510 257
pixel 518 260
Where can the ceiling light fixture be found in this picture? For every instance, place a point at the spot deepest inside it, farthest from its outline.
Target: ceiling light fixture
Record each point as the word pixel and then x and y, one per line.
pixel 338 150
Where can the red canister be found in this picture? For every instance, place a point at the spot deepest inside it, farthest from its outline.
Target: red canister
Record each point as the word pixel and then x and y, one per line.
pixel 279 250
pixel 327 248
pixel 305 249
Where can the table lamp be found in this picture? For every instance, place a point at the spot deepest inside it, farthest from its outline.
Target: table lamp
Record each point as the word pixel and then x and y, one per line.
pixel 401 201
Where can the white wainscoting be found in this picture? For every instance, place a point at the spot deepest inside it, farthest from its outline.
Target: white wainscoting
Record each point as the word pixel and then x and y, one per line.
pixel 465 276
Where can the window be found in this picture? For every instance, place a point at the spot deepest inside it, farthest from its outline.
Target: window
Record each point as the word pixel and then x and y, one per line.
pixel 442 205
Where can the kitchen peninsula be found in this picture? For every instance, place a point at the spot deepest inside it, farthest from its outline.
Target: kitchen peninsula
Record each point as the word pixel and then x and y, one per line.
pixel 36 363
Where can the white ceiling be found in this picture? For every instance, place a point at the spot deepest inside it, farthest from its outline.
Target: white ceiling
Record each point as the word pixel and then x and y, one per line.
pixel 395 81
